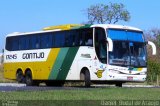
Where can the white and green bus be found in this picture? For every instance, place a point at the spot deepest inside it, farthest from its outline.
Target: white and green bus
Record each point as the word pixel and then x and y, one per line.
pixel 99 53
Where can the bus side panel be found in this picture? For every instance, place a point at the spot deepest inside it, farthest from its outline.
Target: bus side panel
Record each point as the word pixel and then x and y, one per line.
pixel 84 58
pixel 9 70
pixel 63 63
pixel 60 64
pixel 40 69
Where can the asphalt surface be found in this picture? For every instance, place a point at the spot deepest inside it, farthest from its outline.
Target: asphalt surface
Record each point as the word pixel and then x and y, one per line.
pixel 7 87
pixel 29 88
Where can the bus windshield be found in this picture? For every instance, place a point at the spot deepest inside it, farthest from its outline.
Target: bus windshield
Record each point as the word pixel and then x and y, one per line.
pixel 128 49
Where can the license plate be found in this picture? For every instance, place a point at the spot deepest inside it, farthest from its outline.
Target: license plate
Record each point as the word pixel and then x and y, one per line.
pixel 130 78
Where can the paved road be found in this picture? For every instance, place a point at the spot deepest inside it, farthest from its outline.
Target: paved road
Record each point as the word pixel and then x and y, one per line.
pixel 5 87
pixel 31 88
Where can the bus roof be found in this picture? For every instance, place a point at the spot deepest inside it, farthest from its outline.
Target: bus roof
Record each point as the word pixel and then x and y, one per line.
pixel 63 27
pixel 75 26
pixel 53 28
pixel 78 26
pixel 113 26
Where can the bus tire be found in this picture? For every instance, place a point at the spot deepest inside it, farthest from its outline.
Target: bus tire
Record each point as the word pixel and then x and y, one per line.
pixel 28 78
pixel 19 76
pixel 87 79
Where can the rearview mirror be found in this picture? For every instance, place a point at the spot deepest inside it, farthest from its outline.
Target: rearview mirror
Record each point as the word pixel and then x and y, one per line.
pixel 153 47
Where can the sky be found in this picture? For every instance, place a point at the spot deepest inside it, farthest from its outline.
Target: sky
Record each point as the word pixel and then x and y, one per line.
pixel 34 15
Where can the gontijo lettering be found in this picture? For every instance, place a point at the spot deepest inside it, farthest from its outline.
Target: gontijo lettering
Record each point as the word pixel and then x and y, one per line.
pixel 33 55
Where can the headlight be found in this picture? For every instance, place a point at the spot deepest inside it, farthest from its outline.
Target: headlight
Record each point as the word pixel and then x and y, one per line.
pixel 143 73
pixel 114 71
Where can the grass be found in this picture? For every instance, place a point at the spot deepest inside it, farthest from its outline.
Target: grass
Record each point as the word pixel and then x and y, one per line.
pixel 82 97
pixel 87 94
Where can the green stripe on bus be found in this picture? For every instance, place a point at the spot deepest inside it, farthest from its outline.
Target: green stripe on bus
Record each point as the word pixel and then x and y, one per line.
pixel 67 63
pixel 59 60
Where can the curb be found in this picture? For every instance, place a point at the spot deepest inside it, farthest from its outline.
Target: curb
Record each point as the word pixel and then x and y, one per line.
pixel 13 84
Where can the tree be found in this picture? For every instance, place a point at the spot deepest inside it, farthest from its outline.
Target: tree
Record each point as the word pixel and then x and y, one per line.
pixel 153 61
pixel 111 14
pixel 154 35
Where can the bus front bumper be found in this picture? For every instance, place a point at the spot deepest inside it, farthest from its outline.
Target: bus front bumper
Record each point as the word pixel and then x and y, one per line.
pixel 126 77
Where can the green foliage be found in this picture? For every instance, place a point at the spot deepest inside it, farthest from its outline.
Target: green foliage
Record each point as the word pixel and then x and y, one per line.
pixel 154 61
pixel 153 71
pixel 158 40
pixel 112 13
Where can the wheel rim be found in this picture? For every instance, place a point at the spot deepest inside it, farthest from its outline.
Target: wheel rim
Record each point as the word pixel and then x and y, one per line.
pixel 19 76
pixel 28 79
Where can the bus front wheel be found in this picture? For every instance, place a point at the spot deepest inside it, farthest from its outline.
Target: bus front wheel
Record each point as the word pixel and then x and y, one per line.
pixel 85 76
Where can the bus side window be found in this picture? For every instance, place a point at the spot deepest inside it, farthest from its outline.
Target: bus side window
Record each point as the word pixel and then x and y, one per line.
pixel 76 38
pixel 68 38
pixel 56 36
pixel 28 42
pixel 35 42
pixel 9 43
pixel 12 43
pixel 49 43
pixel 53 40
pixel 82 37
pixel 85 37
pixel 15 43
pixel 89 38
pixel 59 39
pixel 71 38
pixel 22 43
pixel 46 40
